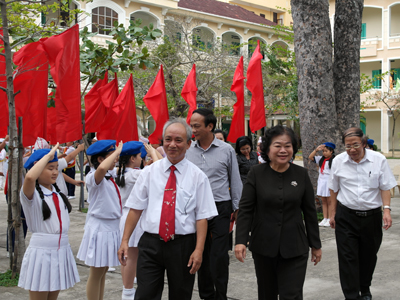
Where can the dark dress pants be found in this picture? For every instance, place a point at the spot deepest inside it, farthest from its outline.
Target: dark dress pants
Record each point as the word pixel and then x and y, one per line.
pixel 358 240
pixel 280 276
pixel 71 187
pixel 214 271
pixel 156 257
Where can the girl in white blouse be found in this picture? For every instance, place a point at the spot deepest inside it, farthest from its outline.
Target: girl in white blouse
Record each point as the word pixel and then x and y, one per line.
pixel 128 172
pixel 48 265
pixel 325 164
pixel 101 239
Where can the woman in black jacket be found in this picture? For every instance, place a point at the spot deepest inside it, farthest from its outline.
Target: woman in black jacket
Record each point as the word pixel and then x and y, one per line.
pixel 275 198
pixel 245 156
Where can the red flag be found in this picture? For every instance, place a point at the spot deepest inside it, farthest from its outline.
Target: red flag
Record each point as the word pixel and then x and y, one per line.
pixel 63 53
pixel 31 84
pixel 255 85
pixel 127 122
pixel 108 93
pixel 189 92
pixel 237 124
pixel 95 111
pixel 156 102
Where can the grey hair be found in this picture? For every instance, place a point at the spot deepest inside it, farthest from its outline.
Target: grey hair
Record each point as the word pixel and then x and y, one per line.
pixel 355 131
pixel 178 121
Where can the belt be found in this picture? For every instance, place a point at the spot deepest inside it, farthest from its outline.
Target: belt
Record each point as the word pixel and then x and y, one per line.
pixel 361 213
pixel 174 237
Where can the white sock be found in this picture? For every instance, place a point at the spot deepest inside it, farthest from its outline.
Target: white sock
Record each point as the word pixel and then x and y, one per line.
pixel 128 294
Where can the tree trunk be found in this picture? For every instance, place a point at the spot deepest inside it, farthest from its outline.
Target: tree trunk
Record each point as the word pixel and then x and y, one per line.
pixel 15 158
pixel 346 67
pixel 313 49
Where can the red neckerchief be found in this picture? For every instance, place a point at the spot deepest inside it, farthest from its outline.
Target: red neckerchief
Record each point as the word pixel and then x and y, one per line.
pixel 323 164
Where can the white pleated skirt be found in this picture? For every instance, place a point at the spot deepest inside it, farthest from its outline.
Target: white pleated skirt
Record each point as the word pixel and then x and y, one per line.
pixel 100 243
pixel 46 266
pixel 136 234
pixel 322 186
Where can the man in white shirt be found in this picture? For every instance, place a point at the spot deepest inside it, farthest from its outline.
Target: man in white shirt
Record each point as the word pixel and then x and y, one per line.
pixel 360 184
pixel 170 189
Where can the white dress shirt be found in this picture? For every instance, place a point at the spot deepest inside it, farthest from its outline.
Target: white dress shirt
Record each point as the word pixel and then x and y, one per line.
pixel 103 198
pixel 194 198
pixel 360 184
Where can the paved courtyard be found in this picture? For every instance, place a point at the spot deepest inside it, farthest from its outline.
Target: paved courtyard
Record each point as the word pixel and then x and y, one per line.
pixel 322 281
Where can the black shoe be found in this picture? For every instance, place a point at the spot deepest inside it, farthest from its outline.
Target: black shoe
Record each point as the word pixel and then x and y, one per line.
pixel 366 297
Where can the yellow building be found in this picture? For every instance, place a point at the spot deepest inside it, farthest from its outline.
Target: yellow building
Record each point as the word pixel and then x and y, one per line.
pixel 380 53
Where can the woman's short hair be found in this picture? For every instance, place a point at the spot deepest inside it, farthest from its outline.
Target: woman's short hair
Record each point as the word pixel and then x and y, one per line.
pixel 243 141
pixel 223 132
pixel 273 132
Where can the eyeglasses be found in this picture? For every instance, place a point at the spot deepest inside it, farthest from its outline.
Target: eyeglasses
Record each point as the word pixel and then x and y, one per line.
pixel 355 146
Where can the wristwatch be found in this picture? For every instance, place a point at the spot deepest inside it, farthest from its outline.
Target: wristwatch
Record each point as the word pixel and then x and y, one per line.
pixel 387 206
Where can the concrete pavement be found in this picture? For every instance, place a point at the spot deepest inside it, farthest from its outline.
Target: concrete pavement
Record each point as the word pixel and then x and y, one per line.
pixel 322 281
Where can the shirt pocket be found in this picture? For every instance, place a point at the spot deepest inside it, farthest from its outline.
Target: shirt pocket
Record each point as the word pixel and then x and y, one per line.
pixel 185 202
pixel 373 181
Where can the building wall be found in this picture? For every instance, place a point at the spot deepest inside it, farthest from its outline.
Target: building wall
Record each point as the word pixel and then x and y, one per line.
pixel 380 50
pixel 373 126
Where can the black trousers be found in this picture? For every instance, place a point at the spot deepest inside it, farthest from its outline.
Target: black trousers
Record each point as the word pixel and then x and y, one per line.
pixel 358 240
pixel 214 271
pixel 156 256
pixel 280 276
pixel 71 187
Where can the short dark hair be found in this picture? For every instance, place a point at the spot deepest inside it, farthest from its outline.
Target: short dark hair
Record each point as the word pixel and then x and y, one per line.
pixel 355 131
pixel 209 117
pixel 243 141
pixel 223 132
pixel 274 132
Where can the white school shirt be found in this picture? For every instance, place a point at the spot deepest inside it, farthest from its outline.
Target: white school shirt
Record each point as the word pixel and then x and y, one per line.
pixel 194 197
pixel 69 151
pixel 327 170
pixel 34 216
pixel 131 175
pixel 360 184
pixel 103 198
pixel 60 181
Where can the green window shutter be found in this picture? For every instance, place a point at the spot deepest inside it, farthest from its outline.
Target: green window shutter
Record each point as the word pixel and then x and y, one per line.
pixel 363 31
pixel 43 19
pixel 376 82
pixel 363 124
pixel 396 75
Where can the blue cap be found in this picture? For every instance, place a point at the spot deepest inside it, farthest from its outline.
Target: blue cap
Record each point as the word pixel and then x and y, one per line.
pixel 370 142
pixel 36 156
pixel 102 146
pixel 331 145
pixel 143 152
pixel 131 148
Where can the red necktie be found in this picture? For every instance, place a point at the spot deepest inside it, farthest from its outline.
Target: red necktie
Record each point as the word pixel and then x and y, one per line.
pixel 57 205
pixel 323 164
pixel 167 221
pixel 119 195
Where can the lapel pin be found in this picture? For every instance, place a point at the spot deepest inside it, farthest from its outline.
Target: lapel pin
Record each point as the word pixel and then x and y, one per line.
pixel 294 183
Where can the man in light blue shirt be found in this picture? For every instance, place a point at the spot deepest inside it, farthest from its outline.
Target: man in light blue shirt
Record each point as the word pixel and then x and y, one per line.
pixel 218 161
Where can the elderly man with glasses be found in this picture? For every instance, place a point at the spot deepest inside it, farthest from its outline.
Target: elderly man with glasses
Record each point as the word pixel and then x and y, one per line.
pixel 360 184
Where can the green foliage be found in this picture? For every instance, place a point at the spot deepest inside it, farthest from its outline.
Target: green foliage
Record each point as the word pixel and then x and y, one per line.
pixel 28 22
pixel 280 82
pixel 7 280
pixel 118 55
